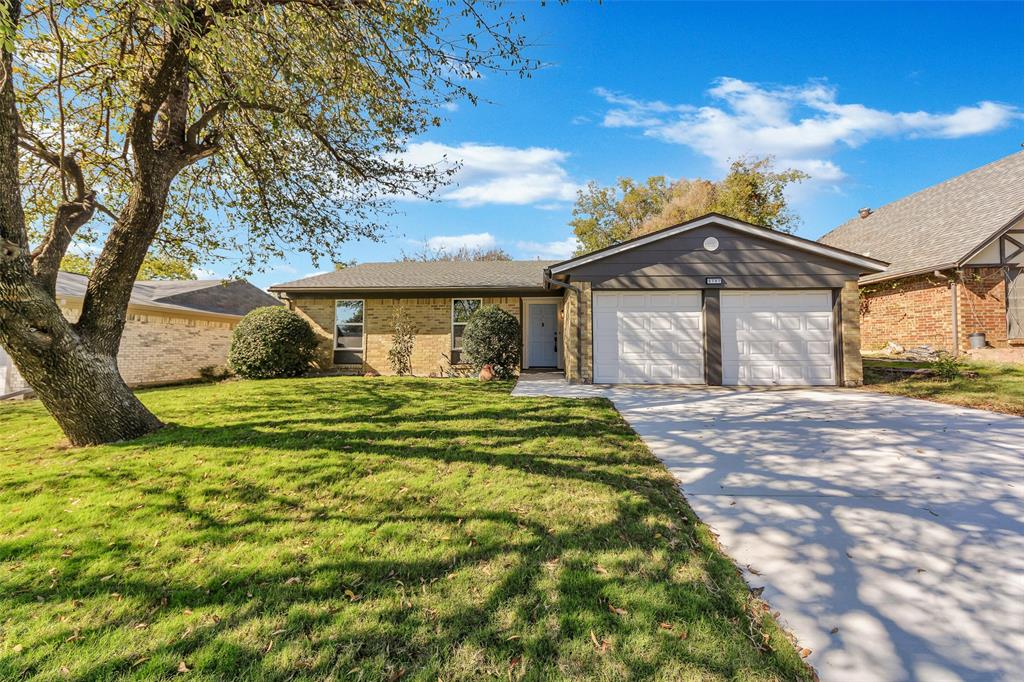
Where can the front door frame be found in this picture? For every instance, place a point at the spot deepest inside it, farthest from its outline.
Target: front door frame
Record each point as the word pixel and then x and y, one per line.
pixel 542 300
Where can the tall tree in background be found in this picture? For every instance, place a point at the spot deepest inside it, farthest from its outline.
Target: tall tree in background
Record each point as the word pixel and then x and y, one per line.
pixel 463 254
pixel 138 121
pixel 752 191
pixel 154 267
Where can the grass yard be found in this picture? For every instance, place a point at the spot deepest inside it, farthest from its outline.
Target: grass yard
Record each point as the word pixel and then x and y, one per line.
pixel 375 529
pixel 997 387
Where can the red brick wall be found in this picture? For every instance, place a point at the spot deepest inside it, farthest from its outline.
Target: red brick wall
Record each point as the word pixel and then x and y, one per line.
pixel 912 311
pixel 982 305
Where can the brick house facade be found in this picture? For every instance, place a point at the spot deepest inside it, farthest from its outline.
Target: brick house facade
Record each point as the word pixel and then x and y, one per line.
pixel 956 262
pixel 159 347
pixel 430 316
pixel 915 311
pixel 645 311
pixel 165 339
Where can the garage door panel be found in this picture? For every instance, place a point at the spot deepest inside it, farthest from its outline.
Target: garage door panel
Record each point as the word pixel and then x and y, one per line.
pixel 643 337
pixel 777 338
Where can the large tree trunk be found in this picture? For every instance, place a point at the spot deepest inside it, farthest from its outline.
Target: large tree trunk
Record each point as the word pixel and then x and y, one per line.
pixel 80 386
pixel 75 377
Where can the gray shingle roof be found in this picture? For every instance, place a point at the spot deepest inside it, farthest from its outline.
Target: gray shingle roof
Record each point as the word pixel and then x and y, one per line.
pixel 939 226
pixel 513 274
pixel 224 297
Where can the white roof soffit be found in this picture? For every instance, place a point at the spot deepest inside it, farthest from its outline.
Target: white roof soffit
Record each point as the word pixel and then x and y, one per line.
pixel 869 264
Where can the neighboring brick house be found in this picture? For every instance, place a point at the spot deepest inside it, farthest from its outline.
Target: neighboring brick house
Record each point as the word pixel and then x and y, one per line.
pixel 955 253
pixel 710 301
pixel 173 330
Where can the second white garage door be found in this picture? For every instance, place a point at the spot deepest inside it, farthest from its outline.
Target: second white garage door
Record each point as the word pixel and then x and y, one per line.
pixel 648 338
pixel 777 338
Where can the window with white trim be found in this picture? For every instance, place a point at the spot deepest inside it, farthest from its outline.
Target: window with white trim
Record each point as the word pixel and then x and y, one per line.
pixel 462 310
pixel 348 331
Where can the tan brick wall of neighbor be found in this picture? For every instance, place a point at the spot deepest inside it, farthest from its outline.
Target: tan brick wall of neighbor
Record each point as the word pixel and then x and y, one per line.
pixel 853 365
pixel 982 305
pixel 913 311
pixel 162 349
pixel 432 318
pixel 158 348
pixel 570 339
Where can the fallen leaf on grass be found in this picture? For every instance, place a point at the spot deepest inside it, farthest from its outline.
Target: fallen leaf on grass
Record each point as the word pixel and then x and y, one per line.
pixel 18 648
pixel 183 667
pixel 804 653
pixel 617 611
pixel 294 579
pixel 352 596
pixel 665 626
pixel 600 569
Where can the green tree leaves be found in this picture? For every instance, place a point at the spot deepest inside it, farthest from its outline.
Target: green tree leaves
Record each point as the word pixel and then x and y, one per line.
pixel 752 191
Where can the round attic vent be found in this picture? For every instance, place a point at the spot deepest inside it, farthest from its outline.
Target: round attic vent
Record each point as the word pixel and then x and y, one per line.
pixel 711 244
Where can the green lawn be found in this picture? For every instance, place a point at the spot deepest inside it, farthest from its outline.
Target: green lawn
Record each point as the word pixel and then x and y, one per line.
pixel 997 387
pixel 370 529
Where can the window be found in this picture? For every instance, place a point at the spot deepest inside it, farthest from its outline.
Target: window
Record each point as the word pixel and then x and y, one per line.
pixel 348 332
pixel 462 310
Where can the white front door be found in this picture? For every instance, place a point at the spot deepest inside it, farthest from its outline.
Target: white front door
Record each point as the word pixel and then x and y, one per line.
pixel 542 335
pixel 778 338
pixel 644 337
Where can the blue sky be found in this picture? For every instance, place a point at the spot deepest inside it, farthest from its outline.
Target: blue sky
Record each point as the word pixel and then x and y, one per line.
pixel 874 100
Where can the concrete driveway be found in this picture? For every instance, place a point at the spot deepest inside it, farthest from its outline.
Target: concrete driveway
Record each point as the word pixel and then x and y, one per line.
pixel 889 532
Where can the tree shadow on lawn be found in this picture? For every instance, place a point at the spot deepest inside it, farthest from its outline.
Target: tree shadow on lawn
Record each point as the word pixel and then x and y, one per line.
pixel 311 561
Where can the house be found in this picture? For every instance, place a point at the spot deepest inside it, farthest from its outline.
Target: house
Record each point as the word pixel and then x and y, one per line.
pixel 955 253
pixel 710 301
pixel 174 328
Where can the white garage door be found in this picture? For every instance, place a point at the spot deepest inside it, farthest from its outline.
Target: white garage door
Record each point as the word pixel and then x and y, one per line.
pixel 648 338
pixel 777 338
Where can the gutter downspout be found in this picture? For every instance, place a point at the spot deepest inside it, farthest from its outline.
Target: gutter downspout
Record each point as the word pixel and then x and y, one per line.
pixel 579 319
pixel 954 292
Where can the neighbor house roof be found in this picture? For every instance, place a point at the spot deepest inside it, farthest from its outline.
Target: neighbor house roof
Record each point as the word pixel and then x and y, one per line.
pixel 434 275
pixel 941 226
pixel 231 298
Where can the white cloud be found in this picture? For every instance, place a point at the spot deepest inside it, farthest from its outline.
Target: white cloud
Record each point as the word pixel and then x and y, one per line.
pixel 802 126
pixel 450 106
pixel 494 174
pixel 472 242
pixel 203 273
pixel 556 250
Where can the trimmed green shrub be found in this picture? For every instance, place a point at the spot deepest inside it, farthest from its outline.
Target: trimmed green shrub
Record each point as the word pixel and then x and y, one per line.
pixel 272 342
pixel 492 338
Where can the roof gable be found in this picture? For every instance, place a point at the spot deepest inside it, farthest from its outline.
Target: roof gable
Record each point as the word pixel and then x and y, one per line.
pixel 940 226
pixel 788 240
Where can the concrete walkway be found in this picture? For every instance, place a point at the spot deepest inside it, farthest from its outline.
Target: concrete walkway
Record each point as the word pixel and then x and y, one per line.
pixel 888 531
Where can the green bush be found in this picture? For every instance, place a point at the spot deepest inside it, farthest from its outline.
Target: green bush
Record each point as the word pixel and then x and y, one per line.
pixel 272 342
pixel 947 367
pixel 492 338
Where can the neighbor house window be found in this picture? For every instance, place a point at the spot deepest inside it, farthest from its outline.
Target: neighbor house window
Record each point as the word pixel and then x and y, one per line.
pixel 462 310
pixel 348 332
